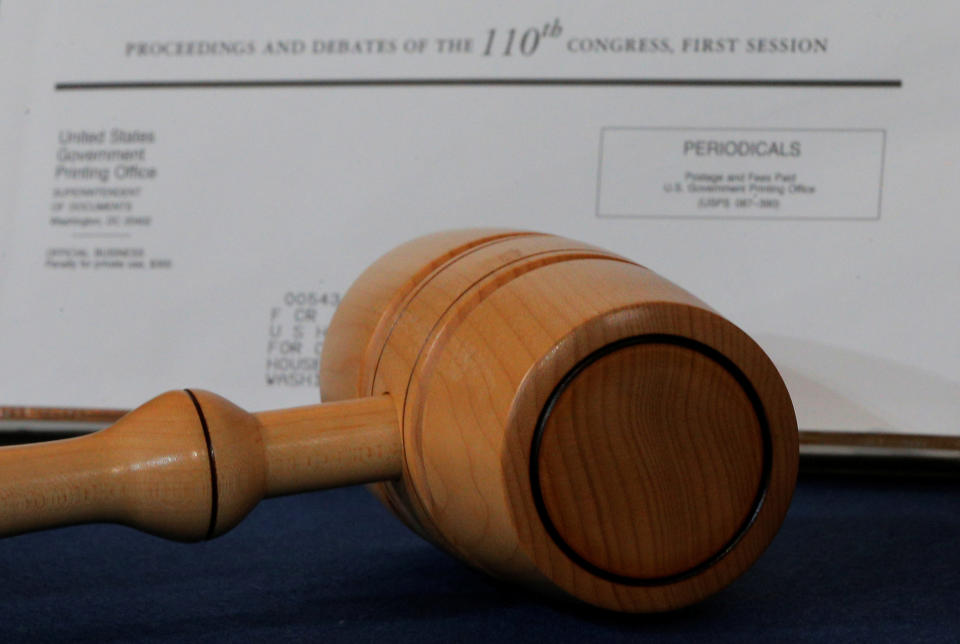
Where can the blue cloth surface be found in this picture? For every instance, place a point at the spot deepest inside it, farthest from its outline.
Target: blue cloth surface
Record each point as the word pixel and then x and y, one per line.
pixel 856 560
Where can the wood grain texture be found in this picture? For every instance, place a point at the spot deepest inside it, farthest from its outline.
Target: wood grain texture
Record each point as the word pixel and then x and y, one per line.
pixel 189 465
pixel 109 476
pixel 471 356
pixel 376 297
pixel 650 461
pixel 322 446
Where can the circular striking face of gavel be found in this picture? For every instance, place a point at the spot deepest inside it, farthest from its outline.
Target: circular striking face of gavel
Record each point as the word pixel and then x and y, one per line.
pixel 544 410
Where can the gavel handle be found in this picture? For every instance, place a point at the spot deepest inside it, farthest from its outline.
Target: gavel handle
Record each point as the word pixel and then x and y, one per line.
pixel 189 465
pixel 332 445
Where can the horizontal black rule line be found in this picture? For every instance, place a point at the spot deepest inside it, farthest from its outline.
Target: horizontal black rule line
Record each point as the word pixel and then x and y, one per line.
pixel 486 82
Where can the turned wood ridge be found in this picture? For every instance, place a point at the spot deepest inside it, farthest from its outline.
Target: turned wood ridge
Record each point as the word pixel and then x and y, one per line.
pixel 545 410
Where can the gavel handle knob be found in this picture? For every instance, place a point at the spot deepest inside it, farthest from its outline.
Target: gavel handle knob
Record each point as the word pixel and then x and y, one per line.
pixel 189 465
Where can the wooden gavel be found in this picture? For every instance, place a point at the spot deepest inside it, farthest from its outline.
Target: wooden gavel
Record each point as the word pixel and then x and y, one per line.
pixel 545 410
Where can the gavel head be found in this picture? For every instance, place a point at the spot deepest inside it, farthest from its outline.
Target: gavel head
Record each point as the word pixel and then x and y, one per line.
pixel 569 419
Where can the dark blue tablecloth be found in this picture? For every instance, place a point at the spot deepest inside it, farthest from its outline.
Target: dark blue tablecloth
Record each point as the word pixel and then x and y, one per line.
pixel 857 560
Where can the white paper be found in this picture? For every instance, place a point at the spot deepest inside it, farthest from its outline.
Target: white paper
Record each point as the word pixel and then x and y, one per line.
pixel 189 187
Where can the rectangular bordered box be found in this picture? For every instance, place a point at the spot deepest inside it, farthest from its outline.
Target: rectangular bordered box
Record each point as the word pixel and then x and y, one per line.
pixel 740 173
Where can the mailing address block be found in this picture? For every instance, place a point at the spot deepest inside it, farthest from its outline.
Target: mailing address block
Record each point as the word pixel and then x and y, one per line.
pixel 740 173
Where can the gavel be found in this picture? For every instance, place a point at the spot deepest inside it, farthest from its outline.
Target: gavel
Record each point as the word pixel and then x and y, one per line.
pixel 547 411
